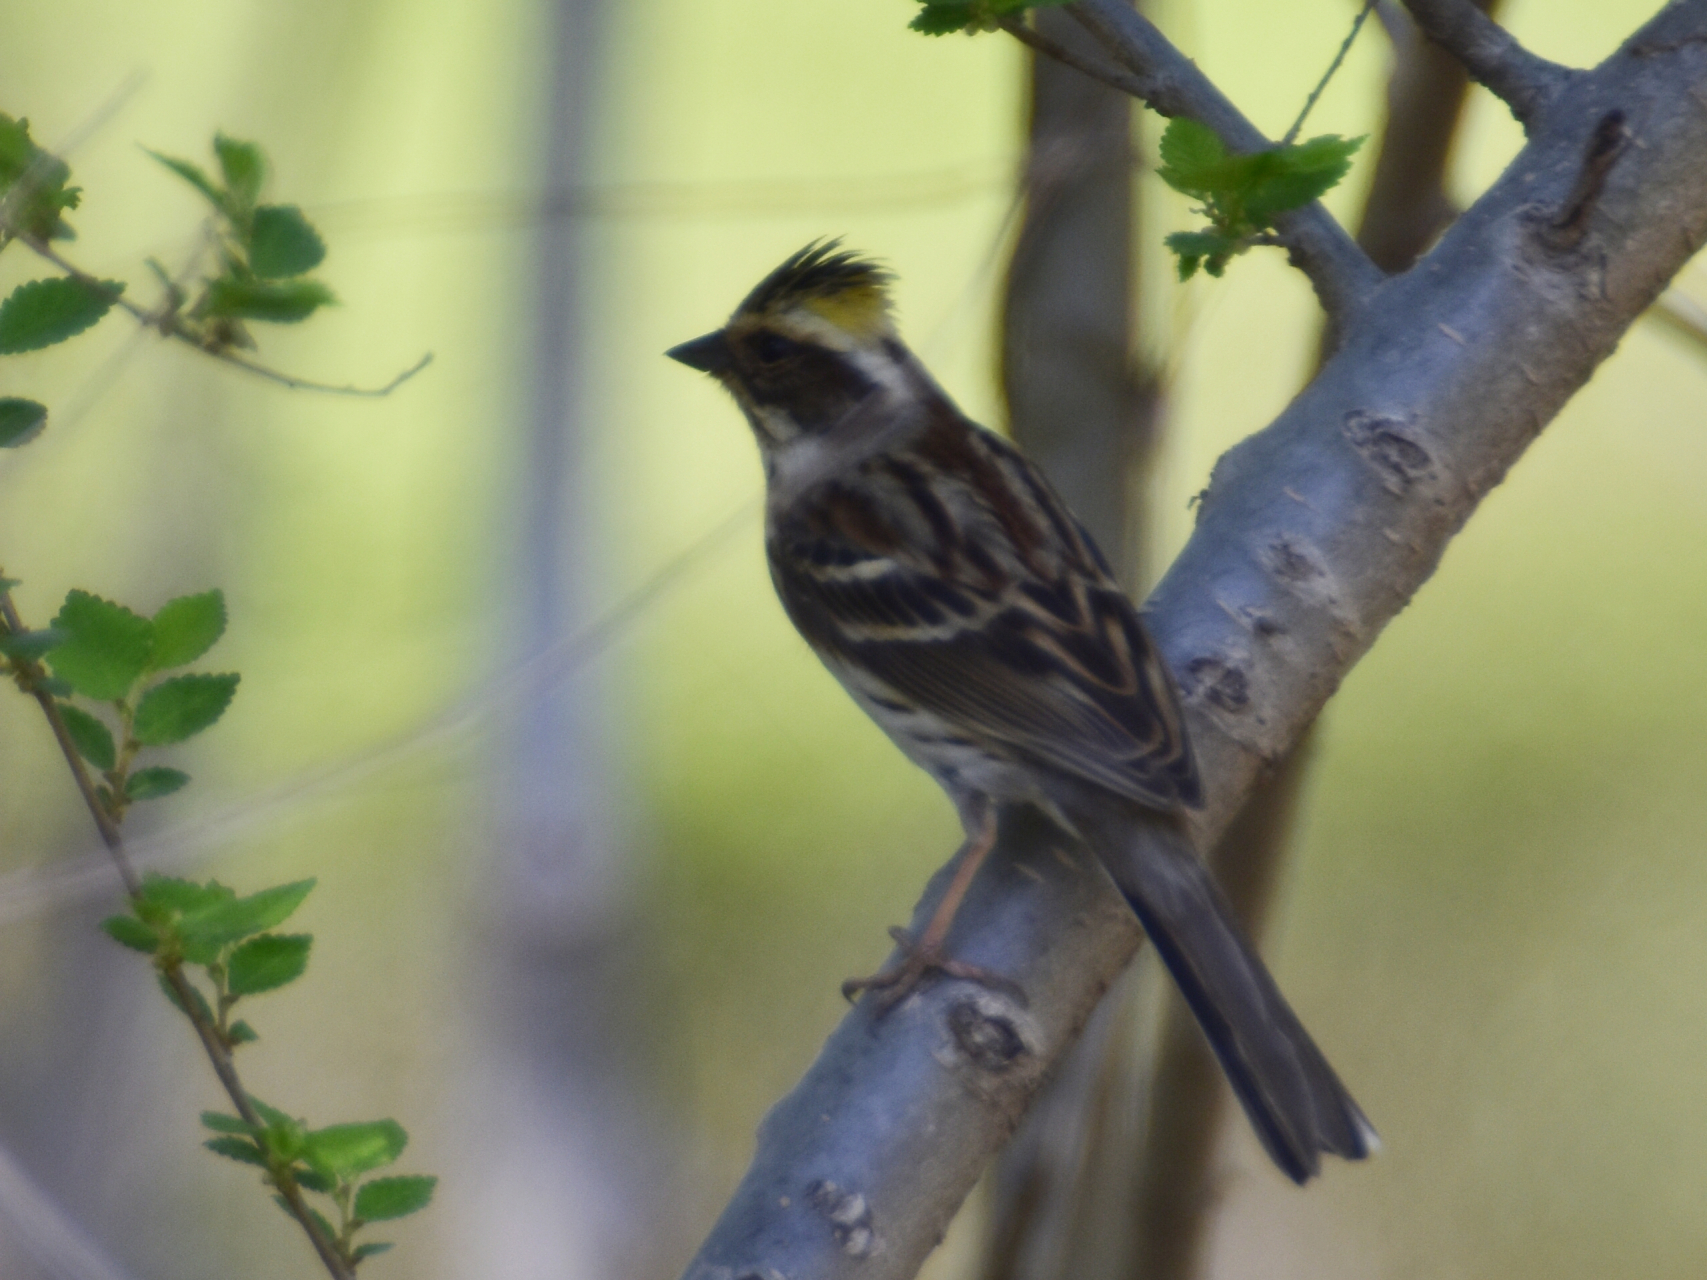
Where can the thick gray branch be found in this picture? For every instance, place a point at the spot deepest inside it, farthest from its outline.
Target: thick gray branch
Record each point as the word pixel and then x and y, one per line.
pixel 1525 83
pixel 1342 275
pixel 1315 532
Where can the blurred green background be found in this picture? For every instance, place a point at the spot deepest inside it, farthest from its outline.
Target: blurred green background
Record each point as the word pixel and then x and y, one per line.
pixel 1497 918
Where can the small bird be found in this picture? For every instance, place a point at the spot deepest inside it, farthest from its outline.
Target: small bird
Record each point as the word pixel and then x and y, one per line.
pixel 947 587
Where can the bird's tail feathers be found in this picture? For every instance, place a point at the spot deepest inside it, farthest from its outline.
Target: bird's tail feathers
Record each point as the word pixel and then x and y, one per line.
pixel 1294 1100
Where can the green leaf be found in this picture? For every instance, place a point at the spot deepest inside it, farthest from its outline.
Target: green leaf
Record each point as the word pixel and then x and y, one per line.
pixel 21 421
pixel 280 301
pixel 368 1250
pixel 194 175
pixel 151 784
pixel 314 1180
pixel 351 1149
pixel 186 628
pixel 130 932
pixel 30 645
pixel 1193 160
pixel 93 740
pixel 240 1032
pixel 272 1115
pixel 36 211
pixel 266 963
pixel 180 708
pixel 242 1149
pixel 184 897
pixel 386 1198
pixel 235 918
pixel 1210 249
pixel 245 169
pixel 1292 177
pixel 107 646
pixel 941 17
pixel 283 243
pixel 200 1001
pixel 43 312
pixel 219 1122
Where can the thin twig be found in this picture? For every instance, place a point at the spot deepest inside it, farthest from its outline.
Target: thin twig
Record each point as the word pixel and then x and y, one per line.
pixel 168 324
pixel 1341 273
pixel 1112 76
pixel 1495 60
pixel 1333 67
pixel 218 1054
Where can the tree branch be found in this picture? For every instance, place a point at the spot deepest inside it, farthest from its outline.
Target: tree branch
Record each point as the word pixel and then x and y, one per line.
pixel 1314 533
pixel 1342 275
pixel 1495 60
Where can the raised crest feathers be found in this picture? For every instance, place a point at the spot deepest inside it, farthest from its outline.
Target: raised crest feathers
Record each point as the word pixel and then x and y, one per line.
pixel 834 281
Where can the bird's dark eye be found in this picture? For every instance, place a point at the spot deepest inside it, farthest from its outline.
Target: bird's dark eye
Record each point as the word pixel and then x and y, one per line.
pixel 771 348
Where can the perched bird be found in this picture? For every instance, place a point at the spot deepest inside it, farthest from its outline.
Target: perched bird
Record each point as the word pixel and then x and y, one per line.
pixel 946 585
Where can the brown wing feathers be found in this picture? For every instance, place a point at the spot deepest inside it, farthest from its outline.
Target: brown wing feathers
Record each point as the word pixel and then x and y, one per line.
pixel 993 580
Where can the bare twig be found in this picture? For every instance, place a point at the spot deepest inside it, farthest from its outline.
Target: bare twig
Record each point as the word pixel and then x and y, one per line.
pixel 1342 275
pixel 1328 75
pixel 1495 60
pixel 213 1043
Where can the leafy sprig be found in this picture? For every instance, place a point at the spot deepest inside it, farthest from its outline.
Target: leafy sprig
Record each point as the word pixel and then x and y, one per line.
pixel 1242 194
pixel 110 681
pixel 265 253
pixel 329 1162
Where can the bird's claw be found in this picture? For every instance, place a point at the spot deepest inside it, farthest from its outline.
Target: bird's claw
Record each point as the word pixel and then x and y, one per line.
pixel 895 984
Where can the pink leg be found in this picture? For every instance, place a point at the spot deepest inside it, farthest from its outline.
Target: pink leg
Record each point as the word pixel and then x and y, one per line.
pixel 925 955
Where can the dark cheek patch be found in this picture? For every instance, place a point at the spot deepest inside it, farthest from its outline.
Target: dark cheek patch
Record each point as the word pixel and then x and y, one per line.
pixel 816 388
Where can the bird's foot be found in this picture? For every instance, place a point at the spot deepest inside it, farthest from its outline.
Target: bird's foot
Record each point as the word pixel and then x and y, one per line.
pixel 918 962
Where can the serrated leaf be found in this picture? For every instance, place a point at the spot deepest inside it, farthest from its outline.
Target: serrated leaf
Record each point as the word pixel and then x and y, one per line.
pixel 245 169
pixel 240 1032
pixel 314 1180
pixel 93 740
pixel 942 17
pixel 106 648
pixel 219 1122
pixel 232 1148
pixel 236 918
pixel 194 175
pixel 266 963
pixel 181 707
pixel 36 212
pixel 21 421
pixel 130 932
pixel 151 784
pixel 196 997
pixel 283 243
pixel 1193 157
pixel 183 896
pixel 278 301
pixel 30 645
pixel 272 1115
pixel 40 313
pixel 6 584
pixel 368 1250
pixel 1292 177
pixel 387 1198
pixel 348 1150
pixel 186 628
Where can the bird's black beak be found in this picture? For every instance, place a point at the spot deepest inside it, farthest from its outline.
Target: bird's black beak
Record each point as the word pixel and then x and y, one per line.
pixel 709 354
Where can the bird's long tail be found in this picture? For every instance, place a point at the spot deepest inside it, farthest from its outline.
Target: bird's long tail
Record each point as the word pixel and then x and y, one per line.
pixel 1296 1103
